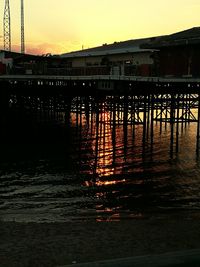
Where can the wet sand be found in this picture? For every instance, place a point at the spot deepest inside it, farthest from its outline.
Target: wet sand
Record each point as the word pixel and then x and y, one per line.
pixel 57 244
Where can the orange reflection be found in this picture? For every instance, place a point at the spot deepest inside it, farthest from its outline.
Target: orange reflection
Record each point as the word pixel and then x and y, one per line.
pixel 117 216
pixel 113 218
pixel 104 146
pixel 77 119
pixel 104 183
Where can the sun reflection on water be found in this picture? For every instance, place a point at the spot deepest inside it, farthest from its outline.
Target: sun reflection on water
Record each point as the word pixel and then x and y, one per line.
pixel 124 171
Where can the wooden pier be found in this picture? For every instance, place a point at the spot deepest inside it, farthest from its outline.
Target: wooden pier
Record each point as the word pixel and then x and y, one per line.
pixel 104 83
pixel 129 100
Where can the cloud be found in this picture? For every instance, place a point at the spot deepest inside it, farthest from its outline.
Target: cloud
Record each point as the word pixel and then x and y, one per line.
pixel 15 48
pixel 45 48
pixel 40 49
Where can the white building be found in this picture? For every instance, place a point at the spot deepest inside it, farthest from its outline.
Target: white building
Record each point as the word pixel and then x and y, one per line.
pixel 119 58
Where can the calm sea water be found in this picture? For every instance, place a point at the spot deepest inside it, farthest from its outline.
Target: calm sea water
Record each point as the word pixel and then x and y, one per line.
pixel 90 169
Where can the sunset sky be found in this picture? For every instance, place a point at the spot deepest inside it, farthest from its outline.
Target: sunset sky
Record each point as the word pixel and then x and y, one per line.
pixel 65 25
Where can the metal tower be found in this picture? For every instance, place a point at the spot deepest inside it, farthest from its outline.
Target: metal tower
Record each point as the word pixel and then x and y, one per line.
pixel 22 28
pixel 6 27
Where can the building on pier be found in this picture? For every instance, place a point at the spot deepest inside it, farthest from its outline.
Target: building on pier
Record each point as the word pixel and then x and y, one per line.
pixel 119 58
pixel 175 55
pixel 17 63
pixel 178 54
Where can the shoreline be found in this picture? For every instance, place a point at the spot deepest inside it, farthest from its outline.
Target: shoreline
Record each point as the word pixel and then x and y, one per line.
pixel 60 244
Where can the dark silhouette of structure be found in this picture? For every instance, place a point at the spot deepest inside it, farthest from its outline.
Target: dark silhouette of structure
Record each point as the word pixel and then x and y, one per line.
pixel 22 28
pixel 7 26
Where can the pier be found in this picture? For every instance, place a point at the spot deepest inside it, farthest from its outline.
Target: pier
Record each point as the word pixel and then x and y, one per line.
pixel 128 100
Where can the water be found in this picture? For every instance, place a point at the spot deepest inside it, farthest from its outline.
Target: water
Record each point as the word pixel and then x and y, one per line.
pixel 94 168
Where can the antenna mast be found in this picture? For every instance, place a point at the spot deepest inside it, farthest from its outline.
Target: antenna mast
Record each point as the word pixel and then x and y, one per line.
pixel 22 28
pixel 6 27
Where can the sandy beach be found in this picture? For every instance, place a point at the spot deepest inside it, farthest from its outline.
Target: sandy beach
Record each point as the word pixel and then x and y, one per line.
pixel 57 244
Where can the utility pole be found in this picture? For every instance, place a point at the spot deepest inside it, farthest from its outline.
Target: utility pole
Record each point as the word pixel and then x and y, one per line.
pixel 6 27
pixel 22 28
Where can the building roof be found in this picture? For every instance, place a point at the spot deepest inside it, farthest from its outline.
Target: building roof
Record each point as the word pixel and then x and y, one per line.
pixel 189 36
pixel 130 46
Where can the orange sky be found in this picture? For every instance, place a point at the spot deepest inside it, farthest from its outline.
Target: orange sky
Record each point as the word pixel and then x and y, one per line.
pixel 65 25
